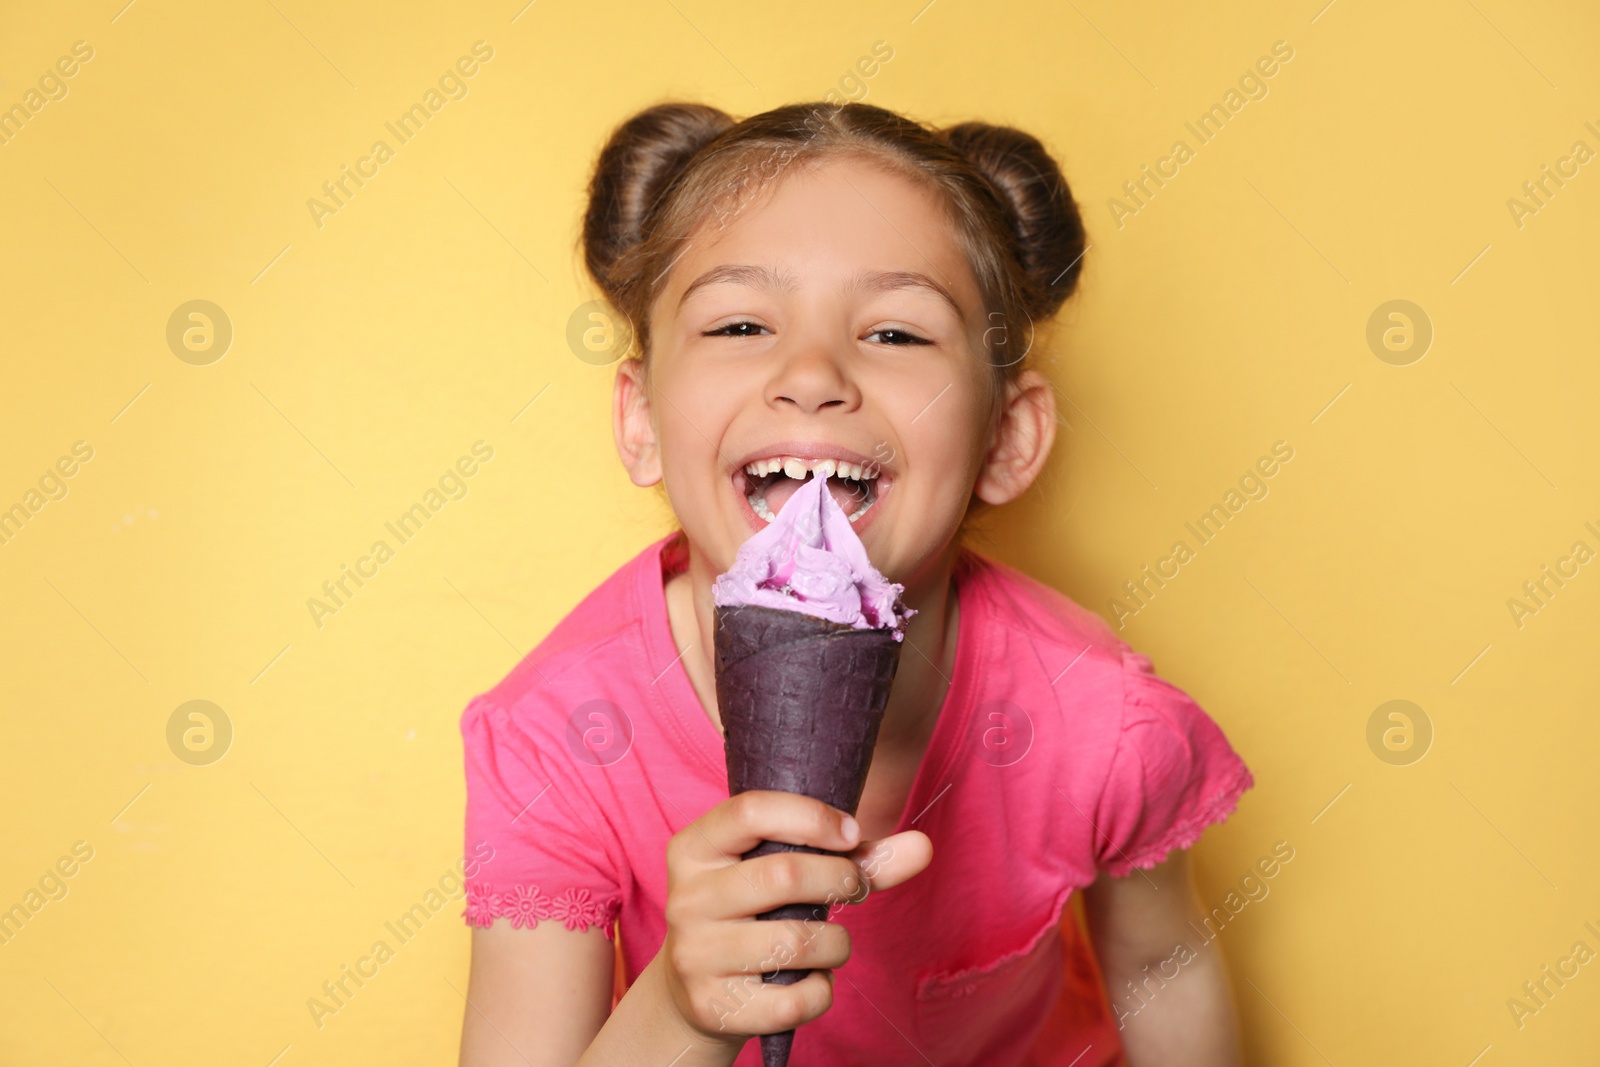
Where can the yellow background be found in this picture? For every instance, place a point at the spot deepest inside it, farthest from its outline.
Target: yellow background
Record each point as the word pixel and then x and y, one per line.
pixel 369 354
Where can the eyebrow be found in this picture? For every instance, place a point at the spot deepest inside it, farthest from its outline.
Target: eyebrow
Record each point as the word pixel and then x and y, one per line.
pixel 742 274
pixel 768 278
pixel 884 281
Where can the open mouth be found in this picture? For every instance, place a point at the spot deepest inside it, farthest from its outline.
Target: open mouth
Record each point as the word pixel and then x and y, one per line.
pixel 769 483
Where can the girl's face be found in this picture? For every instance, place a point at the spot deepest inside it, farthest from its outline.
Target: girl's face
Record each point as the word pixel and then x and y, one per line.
pixel 834 318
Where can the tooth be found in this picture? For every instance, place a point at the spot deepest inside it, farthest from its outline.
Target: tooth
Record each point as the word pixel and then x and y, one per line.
pixel 750 469
pixel 852 471
pixel 826 468
pixel 794 467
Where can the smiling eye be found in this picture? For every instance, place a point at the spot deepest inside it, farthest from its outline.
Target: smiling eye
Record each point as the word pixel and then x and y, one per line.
pixel 728 330
pixel 905 338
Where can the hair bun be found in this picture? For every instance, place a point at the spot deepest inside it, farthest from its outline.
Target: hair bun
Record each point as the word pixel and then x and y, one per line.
pixel 635 168
pixel 1045 221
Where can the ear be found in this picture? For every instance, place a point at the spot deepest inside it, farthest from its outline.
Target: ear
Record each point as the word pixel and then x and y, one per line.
pixel 1021 441
pixel 632 424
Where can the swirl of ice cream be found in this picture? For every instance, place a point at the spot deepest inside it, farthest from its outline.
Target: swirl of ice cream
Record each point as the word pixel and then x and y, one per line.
pixel 810 560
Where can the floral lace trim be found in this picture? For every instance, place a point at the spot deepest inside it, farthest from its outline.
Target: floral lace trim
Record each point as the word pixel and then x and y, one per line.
pixel 526 904
pixel 1187 832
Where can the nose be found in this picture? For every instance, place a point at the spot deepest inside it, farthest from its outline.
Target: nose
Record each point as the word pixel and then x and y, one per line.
pixel 813 379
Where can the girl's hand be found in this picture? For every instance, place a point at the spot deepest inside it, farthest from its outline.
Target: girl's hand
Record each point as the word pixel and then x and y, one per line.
pixel 716 951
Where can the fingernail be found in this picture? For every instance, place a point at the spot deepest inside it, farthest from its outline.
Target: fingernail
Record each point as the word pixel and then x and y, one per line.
pixel 848 828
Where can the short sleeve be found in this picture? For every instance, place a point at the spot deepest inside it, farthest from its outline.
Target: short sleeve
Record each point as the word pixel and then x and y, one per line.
pixel 534 845
pixel 1173 774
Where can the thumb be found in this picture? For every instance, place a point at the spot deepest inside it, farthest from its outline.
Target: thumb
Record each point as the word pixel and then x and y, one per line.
pixel 891 860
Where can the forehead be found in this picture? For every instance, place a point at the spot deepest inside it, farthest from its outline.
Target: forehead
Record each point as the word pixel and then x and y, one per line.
pixel 832 222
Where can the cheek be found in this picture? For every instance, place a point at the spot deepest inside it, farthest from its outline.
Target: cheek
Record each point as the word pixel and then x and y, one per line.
pixel 683 421
pixel 694 403
pixel 940 418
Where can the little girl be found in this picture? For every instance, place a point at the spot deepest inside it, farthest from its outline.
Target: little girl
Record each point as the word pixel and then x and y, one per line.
pixel 840 292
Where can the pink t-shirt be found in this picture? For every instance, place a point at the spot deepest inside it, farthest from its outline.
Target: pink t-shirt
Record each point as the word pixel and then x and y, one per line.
pixel 1058 754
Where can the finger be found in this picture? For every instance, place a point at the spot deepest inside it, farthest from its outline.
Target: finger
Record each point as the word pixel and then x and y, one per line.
pixel 889 861
pixel 758 1007
pixel 733 948
pixel 742 822
pixel 780 878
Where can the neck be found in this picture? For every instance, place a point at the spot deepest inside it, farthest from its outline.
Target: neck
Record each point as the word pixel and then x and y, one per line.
pixel 927 658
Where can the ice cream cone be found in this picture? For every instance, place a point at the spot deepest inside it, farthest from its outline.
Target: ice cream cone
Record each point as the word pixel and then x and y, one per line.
pixel 801 699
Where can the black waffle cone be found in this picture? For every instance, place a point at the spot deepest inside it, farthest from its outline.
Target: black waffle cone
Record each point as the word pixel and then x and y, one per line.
pixel 801 700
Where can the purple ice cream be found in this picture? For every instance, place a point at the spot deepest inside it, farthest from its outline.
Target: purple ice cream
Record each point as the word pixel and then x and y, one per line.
pixel 807 642
pixel 810 560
